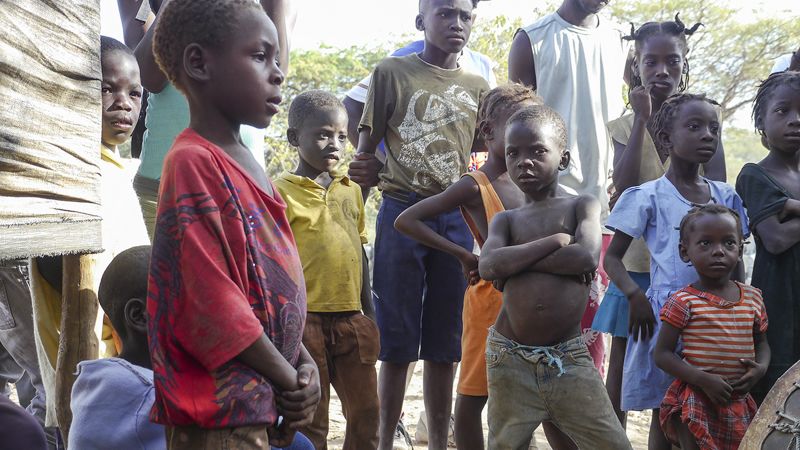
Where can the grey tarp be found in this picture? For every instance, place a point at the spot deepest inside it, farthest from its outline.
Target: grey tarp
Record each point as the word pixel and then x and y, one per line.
pixel 50 120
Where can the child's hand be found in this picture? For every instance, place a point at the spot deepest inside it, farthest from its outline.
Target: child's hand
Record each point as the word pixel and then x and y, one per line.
pixel 790 209
pixel 281 436
pixel 364 169
pixel 587 277
pixel 754 372
pixel 641 320
pixel 716 388
pixel 499 284
pixel 640 101
pixel 469 267
pixel 564 239
pixel 298 406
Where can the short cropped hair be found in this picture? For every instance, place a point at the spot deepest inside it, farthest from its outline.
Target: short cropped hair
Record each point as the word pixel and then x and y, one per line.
pixel 109 45
pixel 542 114
pixel 308 103
pixel 125 278
pixel 714 209
pixel 182 22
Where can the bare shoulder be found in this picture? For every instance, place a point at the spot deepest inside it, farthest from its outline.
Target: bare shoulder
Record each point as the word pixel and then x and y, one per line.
pixel 503 218
pixel 587 204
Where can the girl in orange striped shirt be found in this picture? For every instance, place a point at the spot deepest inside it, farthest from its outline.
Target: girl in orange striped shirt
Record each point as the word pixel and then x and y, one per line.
pixel 721 325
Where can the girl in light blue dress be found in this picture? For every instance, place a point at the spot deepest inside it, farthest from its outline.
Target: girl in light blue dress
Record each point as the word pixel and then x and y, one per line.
pixel 687 127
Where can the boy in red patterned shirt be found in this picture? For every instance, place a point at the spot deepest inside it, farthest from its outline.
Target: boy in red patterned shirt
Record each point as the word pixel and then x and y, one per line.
pixel 226 294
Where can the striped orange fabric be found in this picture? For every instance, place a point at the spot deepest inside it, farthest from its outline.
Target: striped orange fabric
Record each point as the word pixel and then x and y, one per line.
pixel 716 333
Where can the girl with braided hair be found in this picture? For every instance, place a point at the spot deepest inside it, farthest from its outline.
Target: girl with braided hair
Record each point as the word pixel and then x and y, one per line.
pixel 686 127
pixel 659 69
pixel 771 191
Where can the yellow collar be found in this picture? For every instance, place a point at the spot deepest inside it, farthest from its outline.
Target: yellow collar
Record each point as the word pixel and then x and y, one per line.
pixel 111 156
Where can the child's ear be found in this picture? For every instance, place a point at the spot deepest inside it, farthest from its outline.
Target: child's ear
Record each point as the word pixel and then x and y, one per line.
pixel 486 130
pixel 136 315
pixel 665 141
pixel 291 136
pixel 195 62
pixel 565 159
pixel 683 252
pixel 419 23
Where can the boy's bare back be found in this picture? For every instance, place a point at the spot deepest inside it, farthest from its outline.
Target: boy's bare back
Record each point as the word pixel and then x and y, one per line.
pixel 542 308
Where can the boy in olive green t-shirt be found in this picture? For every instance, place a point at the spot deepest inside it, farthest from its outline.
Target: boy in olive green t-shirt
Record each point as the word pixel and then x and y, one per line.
pixel 424 106
pixel 326 213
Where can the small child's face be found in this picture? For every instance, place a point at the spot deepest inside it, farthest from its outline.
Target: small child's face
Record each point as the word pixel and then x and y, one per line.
pixel 496 144
pixel 244 75
pixel 713 245
pixel 447 23
pixel 695 132
pixel 782 119
pixel 322 138
pixel 660 65
pixel 534 155
pixel 121 92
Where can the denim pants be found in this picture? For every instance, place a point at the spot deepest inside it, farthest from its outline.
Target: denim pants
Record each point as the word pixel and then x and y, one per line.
pixel 17 336
pixel 530 385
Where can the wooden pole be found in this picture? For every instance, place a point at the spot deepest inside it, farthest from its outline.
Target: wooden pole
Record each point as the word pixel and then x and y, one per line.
pixel 77 341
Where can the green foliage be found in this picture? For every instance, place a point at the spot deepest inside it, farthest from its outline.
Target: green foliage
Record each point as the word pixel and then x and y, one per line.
pixel 726 57
pixel 741 146
pixel 493 38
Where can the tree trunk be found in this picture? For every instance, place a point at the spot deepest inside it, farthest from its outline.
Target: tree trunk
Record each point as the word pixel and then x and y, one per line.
pixel 78 341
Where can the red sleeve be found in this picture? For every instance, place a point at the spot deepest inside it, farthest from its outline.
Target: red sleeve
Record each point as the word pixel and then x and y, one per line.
pixel 211 316
pixel 676 312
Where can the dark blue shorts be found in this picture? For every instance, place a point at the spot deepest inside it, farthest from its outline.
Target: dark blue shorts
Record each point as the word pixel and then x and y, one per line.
pixel 418 291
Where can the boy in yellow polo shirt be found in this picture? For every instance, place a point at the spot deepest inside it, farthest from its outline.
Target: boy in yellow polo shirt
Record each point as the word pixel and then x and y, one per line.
pixel 326 213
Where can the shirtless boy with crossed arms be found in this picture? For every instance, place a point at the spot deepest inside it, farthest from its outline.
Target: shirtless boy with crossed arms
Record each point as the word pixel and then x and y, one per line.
pixel 544 252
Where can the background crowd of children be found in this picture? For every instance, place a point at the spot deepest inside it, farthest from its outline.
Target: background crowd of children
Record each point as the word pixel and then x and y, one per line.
pixel 256 296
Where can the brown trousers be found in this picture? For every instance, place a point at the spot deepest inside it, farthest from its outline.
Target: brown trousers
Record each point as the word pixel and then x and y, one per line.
pixel 345 347
pixel 196 438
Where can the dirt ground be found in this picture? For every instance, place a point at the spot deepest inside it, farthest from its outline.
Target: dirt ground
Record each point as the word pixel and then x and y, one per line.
pixel 637 429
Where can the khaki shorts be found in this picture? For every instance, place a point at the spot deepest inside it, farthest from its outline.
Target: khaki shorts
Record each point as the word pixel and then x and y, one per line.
pixel 530 385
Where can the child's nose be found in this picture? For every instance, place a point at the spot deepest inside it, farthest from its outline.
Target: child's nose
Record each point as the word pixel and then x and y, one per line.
pixel 123 102
pixel 277 77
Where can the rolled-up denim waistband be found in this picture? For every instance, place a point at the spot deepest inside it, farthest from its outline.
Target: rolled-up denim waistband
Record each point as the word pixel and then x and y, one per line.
pixel 552 355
